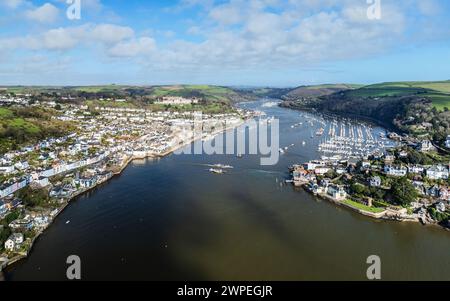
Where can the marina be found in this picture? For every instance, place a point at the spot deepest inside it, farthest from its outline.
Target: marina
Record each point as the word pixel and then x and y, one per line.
pixel 178 221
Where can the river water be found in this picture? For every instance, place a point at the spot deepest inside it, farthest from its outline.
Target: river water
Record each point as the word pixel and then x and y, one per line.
pixel 171 219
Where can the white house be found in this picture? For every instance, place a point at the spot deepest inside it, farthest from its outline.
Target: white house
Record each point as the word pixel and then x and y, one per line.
pixel 447 142
pixel 42 181
pixel 313 165
pixel 365 165
pixel 416 169
pixel 389 158
pixel 375 181
pixel 14 241
pixel 395 171
pixel 440 207
pixel 438 172
pixel 403 154
pixel 321 170
pixel 6 169
pixel 22 165
pixel 425 146
pixel 174 100
pixel 337 192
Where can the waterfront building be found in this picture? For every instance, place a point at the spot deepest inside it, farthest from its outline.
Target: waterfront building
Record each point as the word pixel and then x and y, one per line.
pixel 395 171
pixel 14 241
pixel 337 192
pixel 21 224
pixel 312 165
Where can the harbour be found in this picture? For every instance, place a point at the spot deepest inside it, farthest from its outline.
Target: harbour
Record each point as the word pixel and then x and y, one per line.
pixel 170 219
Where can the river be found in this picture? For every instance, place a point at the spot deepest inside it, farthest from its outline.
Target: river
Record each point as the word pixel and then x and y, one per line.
pixel 171 219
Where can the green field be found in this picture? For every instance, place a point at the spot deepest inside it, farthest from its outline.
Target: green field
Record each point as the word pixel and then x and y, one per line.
pixel 437 92
pixel 5 113
pixel 212 93
pixel 363 207
pixel 98 89
pixel 334 86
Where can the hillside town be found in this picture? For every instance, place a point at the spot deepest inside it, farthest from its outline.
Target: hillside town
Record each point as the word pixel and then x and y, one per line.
pixel 39 180
pixel 386 186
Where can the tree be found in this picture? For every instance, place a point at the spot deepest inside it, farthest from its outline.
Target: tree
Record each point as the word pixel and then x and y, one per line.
pixel 403 192
pixel 34 197
pixel 4 234
pixel 358 189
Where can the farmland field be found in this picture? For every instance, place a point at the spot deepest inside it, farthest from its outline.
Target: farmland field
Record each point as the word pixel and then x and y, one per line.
pixel 437 92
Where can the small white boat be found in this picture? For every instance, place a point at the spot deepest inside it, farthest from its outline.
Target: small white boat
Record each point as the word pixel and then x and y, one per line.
pixel 217 171
pixel 67 222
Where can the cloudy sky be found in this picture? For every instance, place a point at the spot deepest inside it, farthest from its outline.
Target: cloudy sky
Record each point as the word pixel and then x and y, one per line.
pixel 225 42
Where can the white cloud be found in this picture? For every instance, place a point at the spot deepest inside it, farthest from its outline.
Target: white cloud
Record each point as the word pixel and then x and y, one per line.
pixel 47 13
pixel 12 4
pixel 66 38
pixel 258 33
pixel 109 33
pixel 92 4
pixel 250 35
pixel 133 48
pixel 226 14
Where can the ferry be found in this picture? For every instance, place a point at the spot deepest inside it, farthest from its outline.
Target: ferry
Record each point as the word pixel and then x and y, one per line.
pixel 217 171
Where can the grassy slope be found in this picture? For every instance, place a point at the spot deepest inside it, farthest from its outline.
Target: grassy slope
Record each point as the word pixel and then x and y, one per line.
pixel 319 90
pixel 211 93
pixel 438 92
pixel 18 128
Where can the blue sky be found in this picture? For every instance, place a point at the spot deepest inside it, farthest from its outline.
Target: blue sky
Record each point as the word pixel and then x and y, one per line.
pixel 223 42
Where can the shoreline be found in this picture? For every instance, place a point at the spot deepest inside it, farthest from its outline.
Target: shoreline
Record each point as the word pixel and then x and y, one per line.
pixel 386 215
pixel 20 257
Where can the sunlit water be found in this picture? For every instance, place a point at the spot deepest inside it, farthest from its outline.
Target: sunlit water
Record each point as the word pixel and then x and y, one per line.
pixel 173 220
